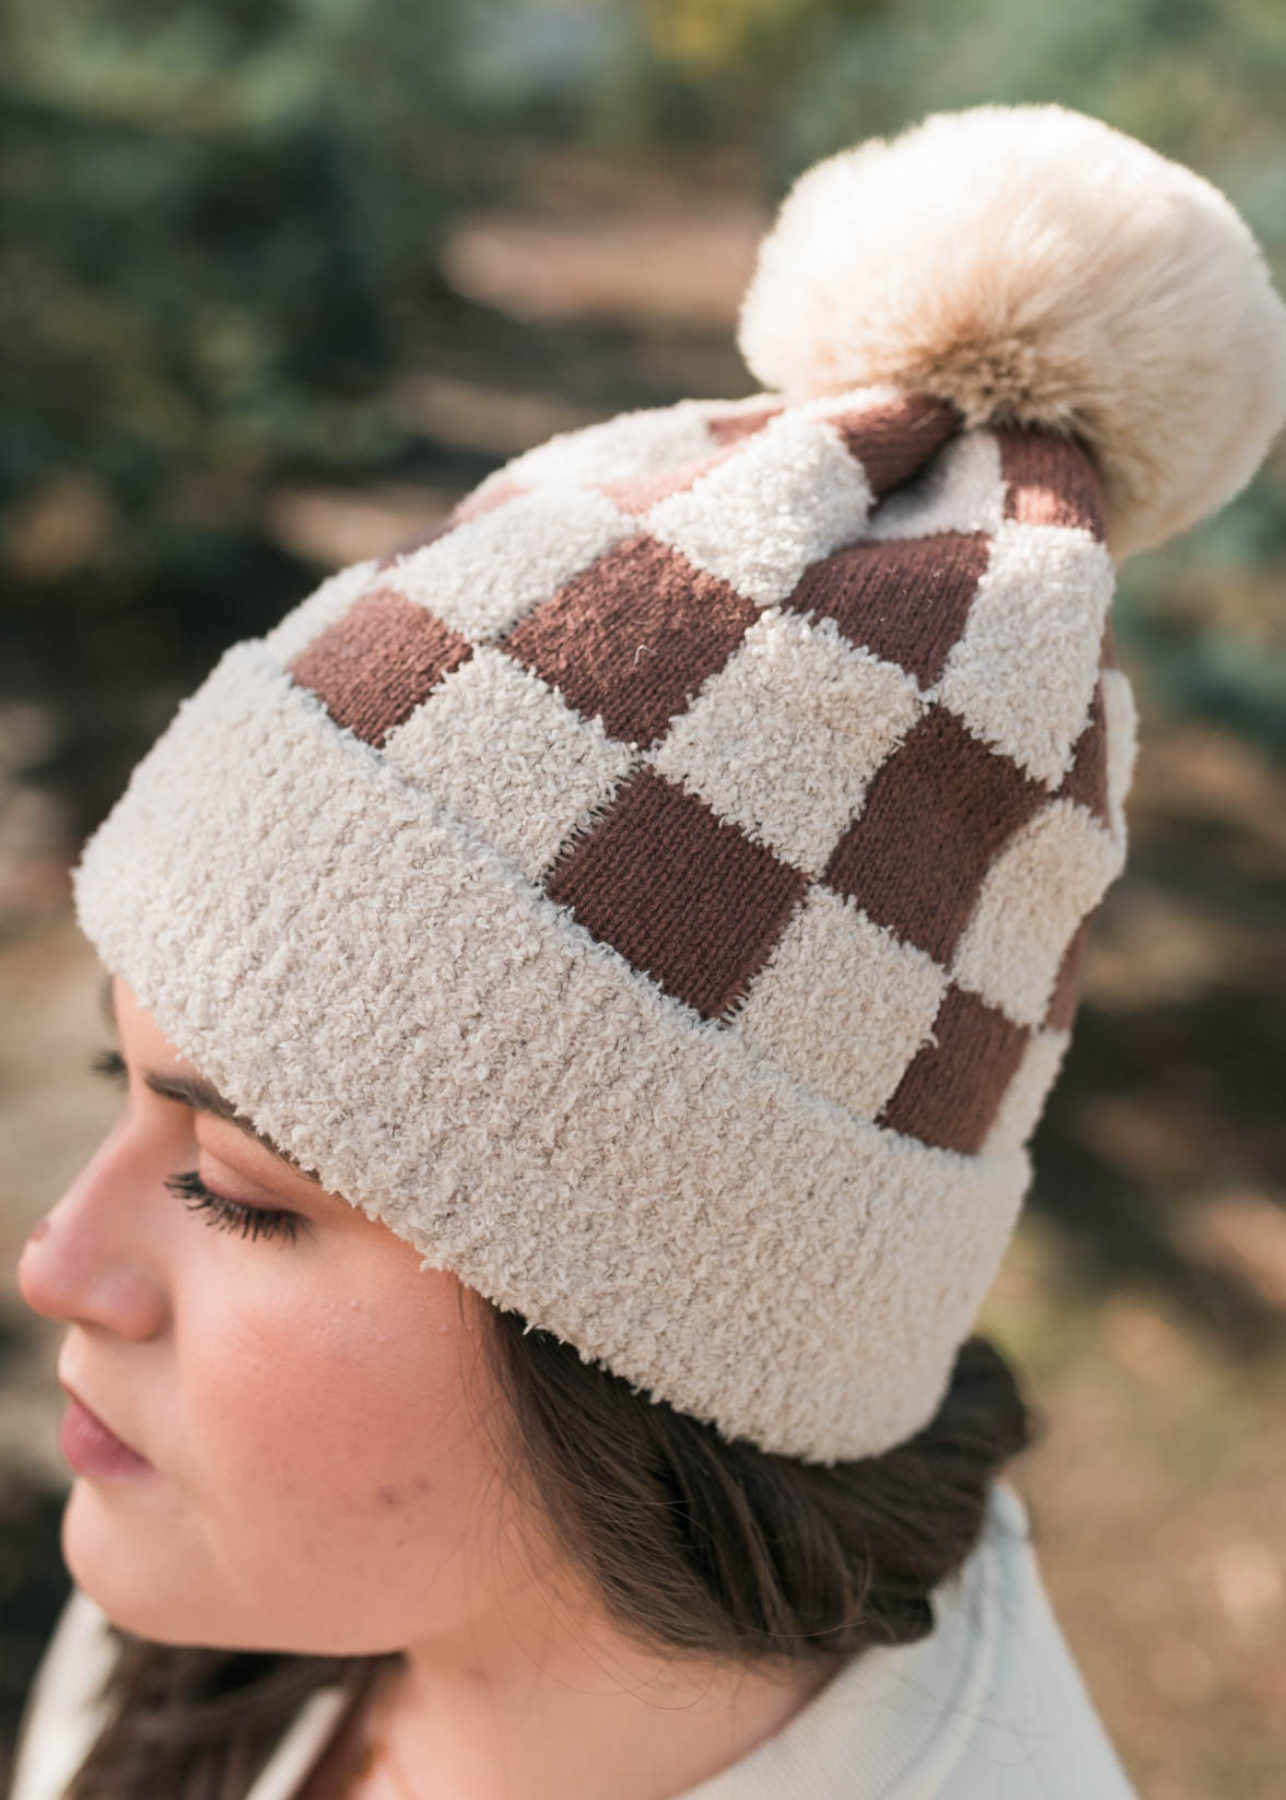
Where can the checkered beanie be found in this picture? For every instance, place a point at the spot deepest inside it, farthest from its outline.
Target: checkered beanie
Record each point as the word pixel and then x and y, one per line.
pixel 659 895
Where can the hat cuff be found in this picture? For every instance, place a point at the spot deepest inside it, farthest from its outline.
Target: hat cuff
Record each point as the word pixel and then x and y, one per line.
pixel 402 1010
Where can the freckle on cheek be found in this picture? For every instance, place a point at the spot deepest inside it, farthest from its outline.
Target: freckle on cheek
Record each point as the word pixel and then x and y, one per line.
pixel 388 1496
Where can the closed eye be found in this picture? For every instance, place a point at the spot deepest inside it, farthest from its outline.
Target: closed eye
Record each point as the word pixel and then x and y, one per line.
pixel 231 1215
pixel 110 1064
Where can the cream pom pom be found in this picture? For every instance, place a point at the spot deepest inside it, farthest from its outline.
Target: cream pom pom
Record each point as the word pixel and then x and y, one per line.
pixel 1036 267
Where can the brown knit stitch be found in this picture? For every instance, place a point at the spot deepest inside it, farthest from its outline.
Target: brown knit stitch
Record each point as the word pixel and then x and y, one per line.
pixel 1062 1002
pixel 680 893
pixel 633 637
pixel 1050 481
pixel 429 535
pixel 905 600
pixel 1107 650
pixel 373 667
pixel 953 1087
pixel 936 814
pixel 473 506
pixel 637 494
pixel 732 427
pixel 1086 780
pixel 893 438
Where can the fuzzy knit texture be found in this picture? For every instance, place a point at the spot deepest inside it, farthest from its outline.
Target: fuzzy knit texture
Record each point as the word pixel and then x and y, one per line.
pixel 659 894
pixel 1036 267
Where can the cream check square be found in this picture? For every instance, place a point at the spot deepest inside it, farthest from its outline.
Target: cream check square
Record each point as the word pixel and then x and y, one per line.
pixel 1022 673
pixel 490 571
pixel 790 497
pixel 505 753
pixel 1020 1109
pixel 960 489
pixel 1122 745
pixel 785 737
pixel 842 1003
pixel 1036 892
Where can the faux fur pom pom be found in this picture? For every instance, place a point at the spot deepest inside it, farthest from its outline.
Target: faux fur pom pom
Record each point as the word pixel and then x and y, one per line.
pixel 1036 267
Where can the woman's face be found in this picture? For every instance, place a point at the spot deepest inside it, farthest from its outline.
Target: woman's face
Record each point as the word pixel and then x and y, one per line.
pixel 320 1431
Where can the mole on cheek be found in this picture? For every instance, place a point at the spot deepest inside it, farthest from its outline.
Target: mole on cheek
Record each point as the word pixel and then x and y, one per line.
pixel 391 1496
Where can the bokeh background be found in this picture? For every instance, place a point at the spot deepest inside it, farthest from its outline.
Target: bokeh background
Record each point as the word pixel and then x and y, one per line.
pixel 283 278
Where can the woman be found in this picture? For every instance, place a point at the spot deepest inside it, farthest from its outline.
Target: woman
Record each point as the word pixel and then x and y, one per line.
pixel 597 972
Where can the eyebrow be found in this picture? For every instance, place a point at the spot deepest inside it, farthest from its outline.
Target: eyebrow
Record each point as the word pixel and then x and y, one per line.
pixel 202 1096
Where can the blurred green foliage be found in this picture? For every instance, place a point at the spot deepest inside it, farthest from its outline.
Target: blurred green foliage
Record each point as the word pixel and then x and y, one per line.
pixel 221 221
pixel 211 216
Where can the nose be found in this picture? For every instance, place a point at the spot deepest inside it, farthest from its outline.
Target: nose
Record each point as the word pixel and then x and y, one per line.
pixel 89 1262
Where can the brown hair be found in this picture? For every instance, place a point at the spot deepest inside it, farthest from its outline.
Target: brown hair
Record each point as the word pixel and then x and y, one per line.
pixel 700 1545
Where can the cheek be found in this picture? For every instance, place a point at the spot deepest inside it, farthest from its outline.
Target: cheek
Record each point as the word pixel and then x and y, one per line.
pixel 336 1453
pixel 350 1406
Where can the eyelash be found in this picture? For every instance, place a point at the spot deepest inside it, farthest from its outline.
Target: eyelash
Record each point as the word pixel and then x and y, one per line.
pixel 231 1215
pixel 110 1064
pixel 222 1213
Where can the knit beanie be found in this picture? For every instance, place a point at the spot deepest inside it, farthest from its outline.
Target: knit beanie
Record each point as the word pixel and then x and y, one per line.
pixel 658 896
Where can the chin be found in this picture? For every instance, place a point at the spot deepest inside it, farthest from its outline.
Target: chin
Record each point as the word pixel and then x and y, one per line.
pixel 125 1565
pixel 155 1579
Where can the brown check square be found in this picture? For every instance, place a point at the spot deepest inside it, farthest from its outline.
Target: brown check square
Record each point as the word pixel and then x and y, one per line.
pixel 1062 1001
pixel 638 494
pixel 633 638
pixel 893 438
pixel 679 892
pixel 1049 480
pixel 1086 780
pixel 952 1088
pixel 936 814
pixel 376 664
pixel 732 428
pixel 905 600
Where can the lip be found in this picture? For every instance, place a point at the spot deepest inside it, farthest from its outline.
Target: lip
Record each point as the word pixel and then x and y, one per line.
pixel 93 1448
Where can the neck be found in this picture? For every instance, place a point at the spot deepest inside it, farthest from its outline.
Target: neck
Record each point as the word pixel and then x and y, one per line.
pixel 545 1698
